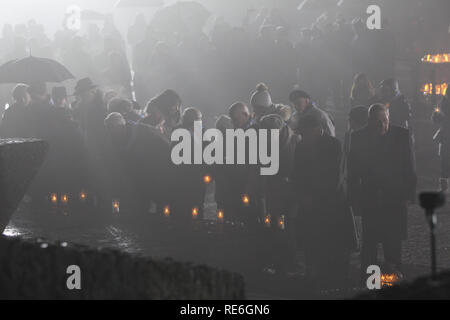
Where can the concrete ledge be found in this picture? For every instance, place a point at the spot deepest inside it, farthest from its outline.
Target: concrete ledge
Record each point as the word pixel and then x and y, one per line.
pixel 20 160
pixel 30 270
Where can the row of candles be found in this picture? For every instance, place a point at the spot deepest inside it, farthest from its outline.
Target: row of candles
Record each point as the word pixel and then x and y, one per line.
pixel 64 198
pixel 221 215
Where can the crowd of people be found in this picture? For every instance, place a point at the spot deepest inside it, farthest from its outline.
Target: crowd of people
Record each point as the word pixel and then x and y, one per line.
pixel 104 142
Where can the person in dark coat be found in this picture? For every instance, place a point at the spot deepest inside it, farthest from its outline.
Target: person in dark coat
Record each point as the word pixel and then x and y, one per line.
pixel 125 108
pixel 357 119
pixel 190 187
pixel 60 102
pixel 140 160
pixel 304 106
pixel 441 117
pixel 362 92
pixel 238 176
pixel 381 182
pixel 325 226
pixel 220 172
pixel 89 110
pixel 276 193
pixel 164 111
pixel 15 122
pixel 399 108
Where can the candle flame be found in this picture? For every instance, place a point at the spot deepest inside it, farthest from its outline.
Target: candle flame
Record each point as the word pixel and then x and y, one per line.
pixel 207 179
pixel 83 195
pixel 267 221
pixel 53 198
pixel 245 199
pixel 281 223
pixel 64 198
pixel 220 215
pixel 194 212
pixel 166 211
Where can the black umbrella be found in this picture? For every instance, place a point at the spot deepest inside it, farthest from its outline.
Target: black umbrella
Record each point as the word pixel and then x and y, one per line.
pixel 33 70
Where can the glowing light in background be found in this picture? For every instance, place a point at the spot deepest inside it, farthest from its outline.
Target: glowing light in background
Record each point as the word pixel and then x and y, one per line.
pixel 437 58
pixel 441 89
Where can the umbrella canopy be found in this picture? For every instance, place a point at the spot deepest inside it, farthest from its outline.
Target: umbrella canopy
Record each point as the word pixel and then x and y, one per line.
pixel 33 70
pixel 138 3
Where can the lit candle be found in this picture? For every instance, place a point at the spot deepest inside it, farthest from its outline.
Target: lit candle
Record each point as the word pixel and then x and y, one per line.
pixel 54 198
pixel 64 198
pixel 245 200
pixel 267 221
pixel 83 195
pixel 207 179
pixel 115 206
pixel 220 215
pixel 166 211
pixel 195 212
pixel 281 223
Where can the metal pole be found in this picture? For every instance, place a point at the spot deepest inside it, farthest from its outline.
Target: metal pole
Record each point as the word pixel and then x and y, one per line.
pixel 433 254
pixel 432 221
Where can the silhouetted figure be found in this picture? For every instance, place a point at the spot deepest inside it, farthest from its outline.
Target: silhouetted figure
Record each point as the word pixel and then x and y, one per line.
pixel 164 111
pixel 15 122
pixel 362 92
pixel 125 108
pixel 441 117
pixel 357 119
pixel 324 223
pixel 190 187
pixel 303 105
pixel 220 172
pixel 60 102
pixel 277 198
pixel 381 180
pixel 141 165
pixel 399 108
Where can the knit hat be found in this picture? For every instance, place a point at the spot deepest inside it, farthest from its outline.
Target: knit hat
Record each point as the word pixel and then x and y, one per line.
pixel 261 97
